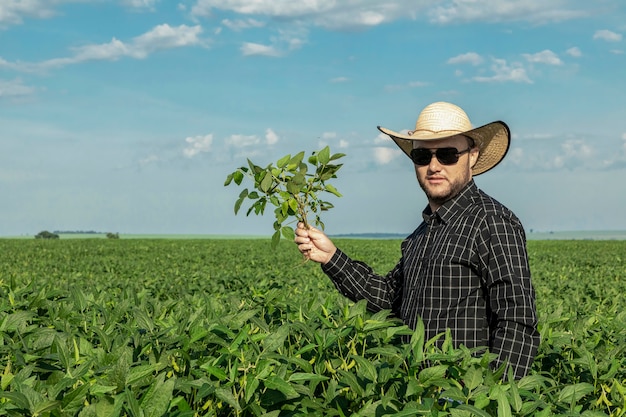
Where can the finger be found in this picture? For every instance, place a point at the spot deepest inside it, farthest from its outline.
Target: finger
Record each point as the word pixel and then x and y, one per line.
pixel 302 240
pixel 301 232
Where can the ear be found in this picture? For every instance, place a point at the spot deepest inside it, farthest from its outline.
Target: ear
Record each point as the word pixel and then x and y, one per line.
pixel 473 156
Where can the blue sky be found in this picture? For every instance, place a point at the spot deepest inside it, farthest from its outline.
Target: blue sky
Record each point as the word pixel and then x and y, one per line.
pixel 126 116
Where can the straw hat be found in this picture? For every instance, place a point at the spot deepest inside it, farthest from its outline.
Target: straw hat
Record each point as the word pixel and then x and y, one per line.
pixel 441 120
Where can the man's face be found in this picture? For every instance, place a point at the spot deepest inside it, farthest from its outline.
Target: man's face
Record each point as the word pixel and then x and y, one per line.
pixel 441 182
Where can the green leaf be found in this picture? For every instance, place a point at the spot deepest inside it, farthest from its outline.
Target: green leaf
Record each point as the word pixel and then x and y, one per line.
pixel 251 386
pixel 295 161
pixel 137 373
pixel 64 356
pixel 514 398
pixel 366 368
pixel 277 383
pixel 156 400
pixel 293 188
pixel 324 156
pixel 288 233
pixel 332 190
pixel 240 200
pixel 571 394
pixel 282 162
pixel 275 239
pixel 255 169
pixel 99 390
pixel 350 380
pixel 238 177
pixel 481 401
pixel 276 339
pixel 45 406
pixel 304 376
pixel 229 179
pixel 504 408
pixel 432 375
pixel 267 182
pixel 473 410
pixel 473 378
pixel 337 156
pixel 133 404
pixel 227 396
pixel 217 372
pixel 17 398
pixel 293 206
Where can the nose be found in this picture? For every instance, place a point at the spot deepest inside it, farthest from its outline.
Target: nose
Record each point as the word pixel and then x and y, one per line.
pixel 434 165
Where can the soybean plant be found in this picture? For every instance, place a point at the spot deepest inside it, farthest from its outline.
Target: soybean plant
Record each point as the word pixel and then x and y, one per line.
pixel 292 186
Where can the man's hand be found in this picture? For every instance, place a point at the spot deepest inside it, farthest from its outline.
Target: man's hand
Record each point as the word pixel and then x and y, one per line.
pixel 314 244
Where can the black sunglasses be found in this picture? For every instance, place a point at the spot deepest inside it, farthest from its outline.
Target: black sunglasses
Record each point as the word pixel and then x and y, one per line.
pixel 446 156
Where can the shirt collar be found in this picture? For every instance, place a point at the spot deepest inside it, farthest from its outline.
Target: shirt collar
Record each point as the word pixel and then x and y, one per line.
pixel 452 207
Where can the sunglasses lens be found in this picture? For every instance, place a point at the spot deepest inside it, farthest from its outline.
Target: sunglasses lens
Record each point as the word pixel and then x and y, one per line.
pixel 421 156
pixel 447 156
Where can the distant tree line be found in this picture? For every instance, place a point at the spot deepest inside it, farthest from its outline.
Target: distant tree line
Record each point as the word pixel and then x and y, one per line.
pixel 77 232
pixel 46 235
pixel 55 235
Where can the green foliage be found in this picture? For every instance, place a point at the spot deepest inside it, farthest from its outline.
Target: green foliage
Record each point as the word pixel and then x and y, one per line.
pixel 44 234
pixel 292 186
pixel 189 328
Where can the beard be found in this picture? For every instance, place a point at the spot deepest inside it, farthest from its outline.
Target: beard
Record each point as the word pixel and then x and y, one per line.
pixel 440 194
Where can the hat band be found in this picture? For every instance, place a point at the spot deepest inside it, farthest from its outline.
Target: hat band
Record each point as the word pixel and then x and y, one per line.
pixel 412 132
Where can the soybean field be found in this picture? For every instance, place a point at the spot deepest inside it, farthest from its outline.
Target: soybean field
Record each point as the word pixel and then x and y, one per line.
pixel 212 327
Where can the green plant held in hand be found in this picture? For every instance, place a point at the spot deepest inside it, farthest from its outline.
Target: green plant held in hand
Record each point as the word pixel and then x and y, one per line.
pixel 292 186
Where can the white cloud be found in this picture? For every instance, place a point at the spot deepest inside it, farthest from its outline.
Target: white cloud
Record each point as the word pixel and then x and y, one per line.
pixel 503 72
pixel 339 80
pixel 280 44
pixel 409 85
pixel 326 13
pixel 367 13
pixel 538 136
pixel 468 58
pixel 242 141
pixel 15 88
pixel 333 140
pixel 574 153
pixel 575 52
pixel 539 11
pixel 159 38
pixel 515 156
pixel 241 24
pixel 607 35
pixel 249 48
pixel 150 159
pixel 544 57
pixel 384 155
pixel 14 11
pixel 271 137
pixel 382 138
pixel 141 4
pixel 197 144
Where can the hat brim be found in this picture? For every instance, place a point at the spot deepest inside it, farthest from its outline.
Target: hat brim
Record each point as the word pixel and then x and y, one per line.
pixel 493 141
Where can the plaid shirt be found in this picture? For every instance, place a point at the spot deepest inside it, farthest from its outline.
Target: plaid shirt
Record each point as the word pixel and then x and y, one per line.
pixel 465 268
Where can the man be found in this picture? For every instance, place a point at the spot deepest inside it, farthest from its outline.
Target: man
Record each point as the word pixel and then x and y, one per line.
pixel 465 268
